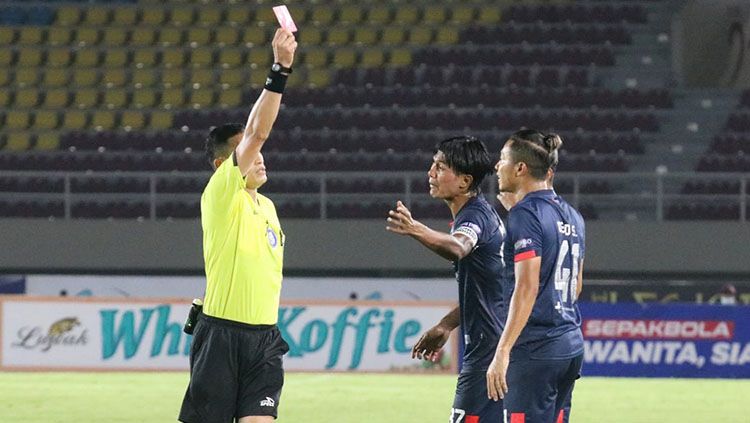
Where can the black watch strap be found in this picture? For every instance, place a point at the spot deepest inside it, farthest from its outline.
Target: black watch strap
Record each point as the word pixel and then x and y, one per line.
pixel 278 67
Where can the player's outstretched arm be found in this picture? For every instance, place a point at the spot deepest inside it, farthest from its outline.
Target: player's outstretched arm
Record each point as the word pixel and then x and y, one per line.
pixel 266 108
pixel 521 304
pixel 431 342
pixel 452 247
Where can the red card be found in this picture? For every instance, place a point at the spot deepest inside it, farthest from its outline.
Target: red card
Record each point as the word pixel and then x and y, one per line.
pixel 285 18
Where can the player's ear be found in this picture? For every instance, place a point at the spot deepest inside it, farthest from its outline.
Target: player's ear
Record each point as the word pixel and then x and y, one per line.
pixel 218 162
pixel 521 169
pixel 466 181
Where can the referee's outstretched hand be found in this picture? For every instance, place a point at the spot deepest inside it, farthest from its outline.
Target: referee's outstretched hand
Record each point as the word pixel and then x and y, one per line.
pixel 284 44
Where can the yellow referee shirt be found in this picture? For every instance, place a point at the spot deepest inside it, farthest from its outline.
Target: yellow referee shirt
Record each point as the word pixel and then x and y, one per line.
pixel 243 249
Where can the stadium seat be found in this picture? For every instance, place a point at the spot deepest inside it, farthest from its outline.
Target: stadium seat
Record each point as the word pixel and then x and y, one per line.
pixel 58 57
pixel 17 120
pixel 254 37
pixel 365 36
pixel 230 98
pixel 115 98
pixel 46 120
pixel 434 15
pixel 182 16
pixel 202 57
pixel 86 36
pixel 160 120
pixel 103 120
pixel 145 57
pixel 153 16
pixel 117 58
pixel 30 36
pixel 172 98
pixel 29 56
pixel 96 16
pixel 85 77
pixel 59 35
pixel 143 78
pixel 202 98
pixel 87 58
pixel 114 37
pixel 321 16
pixel 232 78
pixel 379 15
pixel 74 119
pixel 56 98
pixel 18 141
pixel 7 36
pixel 350 14
pixel 85 98
pixel 198 37
pixel 230 57
pixel 172 58
pixel 47 141
pixel 202 77
pixel 226 36
pixel 338 36
pixel 142 37
pixel 27 98
pixel 143 98
pixel 26 77
pixel 132 120
pixel 124 16
pixel 238 16
pixel 68 16
pixel 210 17
pixel 174 78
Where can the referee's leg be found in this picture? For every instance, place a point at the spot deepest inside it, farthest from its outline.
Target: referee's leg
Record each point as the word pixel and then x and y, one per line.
pixel 212 391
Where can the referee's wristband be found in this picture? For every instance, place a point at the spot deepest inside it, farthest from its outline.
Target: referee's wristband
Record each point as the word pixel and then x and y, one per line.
pixel 275 81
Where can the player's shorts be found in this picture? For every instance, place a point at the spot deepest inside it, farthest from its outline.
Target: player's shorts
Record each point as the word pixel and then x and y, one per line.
pixel 471 404
pixel 235 371
pixel 540 391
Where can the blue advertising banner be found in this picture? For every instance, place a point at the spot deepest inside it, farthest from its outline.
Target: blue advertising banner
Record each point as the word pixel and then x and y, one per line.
pixel 666 340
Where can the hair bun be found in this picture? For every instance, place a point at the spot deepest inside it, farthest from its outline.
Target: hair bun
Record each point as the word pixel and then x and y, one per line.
pixel 552 142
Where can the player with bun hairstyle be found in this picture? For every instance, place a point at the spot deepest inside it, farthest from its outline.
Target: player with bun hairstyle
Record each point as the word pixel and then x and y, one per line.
pixel 540 352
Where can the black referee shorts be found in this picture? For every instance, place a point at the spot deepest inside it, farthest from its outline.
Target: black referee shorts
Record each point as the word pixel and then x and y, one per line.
pixel 235 371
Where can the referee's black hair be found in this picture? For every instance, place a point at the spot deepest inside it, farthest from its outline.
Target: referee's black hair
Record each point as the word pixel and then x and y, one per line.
pixel 469 156
pixel 537 149
pixel 217 142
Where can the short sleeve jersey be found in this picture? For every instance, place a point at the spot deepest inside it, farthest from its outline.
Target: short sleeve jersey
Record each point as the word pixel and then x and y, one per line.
pixel 479 283
pixel 543 225
pixel 243 250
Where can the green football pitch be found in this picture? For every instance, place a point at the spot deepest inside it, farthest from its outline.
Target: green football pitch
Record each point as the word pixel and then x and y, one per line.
pixel 366 398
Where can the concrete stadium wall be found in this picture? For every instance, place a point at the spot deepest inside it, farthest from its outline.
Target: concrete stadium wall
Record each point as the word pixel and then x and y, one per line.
pixel 632 249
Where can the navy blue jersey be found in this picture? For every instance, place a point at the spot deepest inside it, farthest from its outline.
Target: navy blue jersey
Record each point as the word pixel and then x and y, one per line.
pixel 479 277
pixel 543 225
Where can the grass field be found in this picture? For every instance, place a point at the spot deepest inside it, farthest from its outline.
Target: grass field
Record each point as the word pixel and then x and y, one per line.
pixel 314 398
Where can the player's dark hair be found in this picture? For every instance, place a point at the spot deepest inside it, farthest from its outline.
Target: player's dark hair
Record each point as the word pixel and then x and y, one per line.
pixel 217 142
pixel 469 156
pixel 537 149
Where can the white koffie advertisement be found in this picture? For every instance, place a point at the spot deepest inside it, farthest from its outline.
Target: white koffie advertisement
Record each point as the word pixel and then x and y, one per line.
pixel 121 334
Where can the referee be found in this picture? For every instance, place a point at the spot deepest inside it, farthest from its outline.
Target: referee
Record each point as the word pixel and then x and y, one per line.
pixel 236 357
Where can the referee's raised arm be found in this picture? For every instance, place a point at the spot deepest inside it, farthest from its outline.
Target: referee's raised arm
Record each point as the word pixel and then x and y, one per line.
pixel 265 110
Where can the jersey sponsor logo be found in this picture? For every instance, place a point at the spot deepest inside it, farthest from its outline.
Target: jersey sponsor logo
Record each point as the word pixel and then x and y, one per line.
pixel 658 329
pixel 272 240
pixel 268 402
pixel 523 243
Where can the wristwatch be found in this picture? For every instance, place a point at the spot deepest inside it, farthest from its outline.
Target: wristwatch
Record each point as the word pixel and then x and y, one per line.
pixel 278 67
